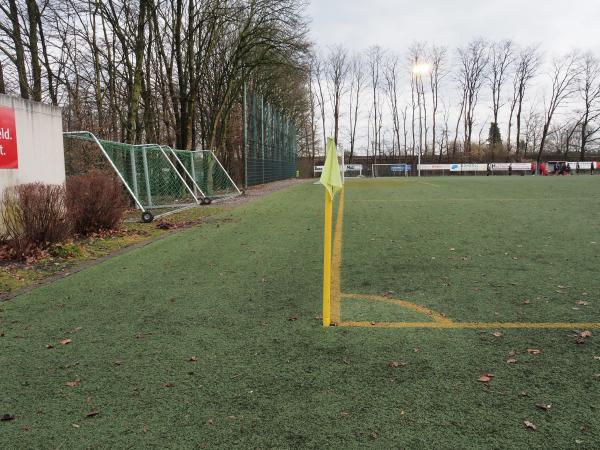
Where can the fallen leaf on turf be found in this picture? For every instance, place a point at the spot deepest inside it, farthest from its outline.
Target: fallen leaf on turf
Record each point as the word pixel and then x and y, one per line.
pixel 597 358
pixel 72 383
pixel 145 428
pixel 169 385
pixel 543 406
pixel 25 427
pixel 75 425
pixel 524 394
pixel 118 362
pixel 76 329
pixel 49 346
pixel 585 334
pixel 529 425
pixel 597 376
pixel 512 353
pixel 293 318
pixel 511 361
pixel 396 364
pixel 526 302
pixel 497 334
pixel 7 417
pixel 452 249
pixel 582 303
pixel 344 414
pixel 485 378
pixel 92 413
pixel 65 342
pixel 533 351
pixel 193 359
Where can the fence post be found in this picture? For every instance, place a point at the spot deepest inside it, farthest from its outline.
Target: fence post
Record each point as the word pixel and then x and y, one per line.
pixel 245 143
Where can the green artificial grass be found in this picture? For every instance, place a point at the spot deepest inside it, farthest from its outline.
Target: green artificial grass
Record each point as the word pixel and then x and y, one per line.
pixel 210 338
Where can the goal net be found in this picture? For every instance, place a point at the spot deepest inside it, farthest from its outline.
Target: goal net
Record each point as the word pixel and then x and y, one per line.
pixel 390 170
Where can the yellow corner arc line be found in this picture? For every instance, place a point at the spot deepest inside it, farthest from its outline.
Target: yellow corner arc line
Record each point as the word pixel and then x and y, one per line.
pixel 435 316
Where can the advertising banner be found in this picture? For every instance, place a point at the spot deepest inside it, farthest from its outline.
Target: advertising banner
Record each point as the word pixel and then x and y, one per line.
pixel 8 139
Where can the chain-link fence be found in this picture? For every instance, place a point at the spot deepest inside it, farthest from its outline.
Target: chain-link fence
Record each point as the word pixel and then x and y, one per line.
pixel 270 142
pixel 156 177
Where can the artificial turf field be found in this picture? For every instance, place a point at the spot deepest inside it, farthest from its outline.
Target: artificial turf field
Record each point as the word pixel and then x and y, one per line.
pixel 210 338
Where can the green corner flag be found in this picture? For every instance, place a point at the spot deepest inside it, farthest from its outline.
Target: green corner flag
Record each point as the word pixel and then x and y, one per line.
pixel 331 177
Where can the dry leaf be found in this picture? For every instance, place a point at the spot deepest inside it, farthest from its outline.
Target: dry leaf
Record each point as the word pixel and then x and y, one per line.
pixel 485 378
pixel 92 413
pixel 169 385
pixel 145 428
pixel 524 394
pixel 192 359
pixel 526 302
pixel 597 358
pixel 72 383
pixel 7 417
pixel 396 364
pixel 511 361
pixel 344 414
pixel 533 351
pixel 497 334
pixel 293 318
pixel 585 334
pixel 582 303
pixel 543 406
pixel 529 425
pixel 65 342
pixel 75 425
pixel 597 376
pixel 49 346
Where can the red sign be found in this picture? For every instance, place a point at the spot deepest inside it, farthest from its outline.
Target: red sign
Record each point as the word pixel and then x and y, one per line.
pixel 8 139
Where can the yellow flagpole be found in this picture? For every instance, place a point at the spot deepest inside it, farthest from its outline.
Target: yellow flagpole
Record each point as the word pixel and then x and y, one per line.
pixel 327 261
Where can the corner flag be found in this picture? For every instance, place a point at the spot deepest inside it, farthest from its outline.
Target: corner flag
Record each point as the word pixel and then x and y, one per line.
pixel 331 177
pixel 332 180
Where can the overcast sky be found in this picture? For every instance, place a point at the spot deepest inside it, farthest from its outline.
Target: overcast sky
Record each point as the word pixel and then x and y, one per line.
pixel 559 25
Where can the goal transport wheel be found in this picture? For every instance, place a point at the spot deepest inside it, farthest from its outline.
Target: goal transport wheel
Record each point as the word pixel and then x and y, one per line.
pixel 147 217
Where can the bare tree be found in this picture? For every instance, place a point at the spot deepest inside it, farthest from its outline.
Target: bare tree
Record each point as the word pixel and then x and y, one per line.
pixel 392 74
pixel 501 57
pixel 473 62
pixel 438 71
pixel 374 62
pixel 336 73
pixel 564 76
pixel 527 64
pixel 357 86
pixel 590 93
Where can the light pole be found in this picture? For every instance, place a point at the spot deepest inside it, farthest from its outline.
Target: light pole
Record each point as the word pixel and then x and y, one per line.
pixel 420 69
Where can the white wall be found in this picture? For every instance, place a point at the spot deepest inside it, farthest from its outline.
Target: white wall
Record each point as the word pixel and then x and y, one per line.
pixel 39 141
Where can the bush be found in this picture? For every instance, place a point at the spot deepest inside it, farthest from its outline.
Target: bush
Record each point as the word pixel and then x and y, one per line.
pixel 95 202
pixel 34 216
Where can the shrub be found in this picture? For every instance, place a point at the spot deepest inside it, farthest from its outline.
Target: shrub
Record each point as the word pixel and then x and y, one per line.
pixel 95 202
pixel 33 217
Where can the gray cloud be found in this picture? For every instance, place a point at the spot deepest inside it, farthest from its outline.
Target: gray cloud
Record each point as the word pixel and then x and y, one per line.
pixel 556 24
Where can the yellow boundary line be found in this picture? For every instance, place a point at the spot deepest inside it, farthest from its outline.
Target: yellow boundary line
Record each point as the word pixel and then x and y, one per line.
pixel 336 262
pixel 438 320
pixel 474 325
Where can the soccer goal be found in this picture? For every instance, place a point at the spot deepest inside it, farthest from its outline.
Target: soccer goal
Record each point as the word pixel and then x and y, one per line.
pixel 159 179
pixel 390 170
